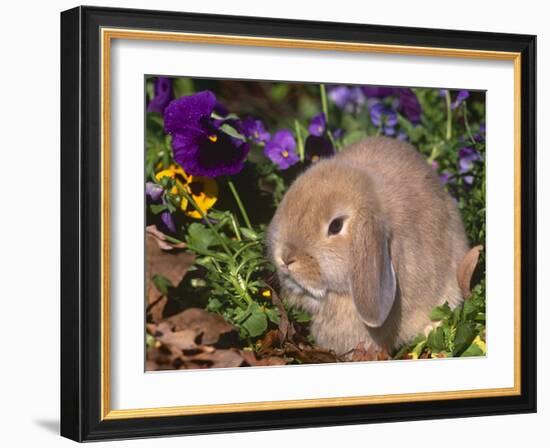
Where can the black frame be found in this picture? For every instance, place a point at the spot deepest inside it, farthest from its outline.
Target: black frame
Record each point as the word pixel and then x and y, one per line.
pixel 80 223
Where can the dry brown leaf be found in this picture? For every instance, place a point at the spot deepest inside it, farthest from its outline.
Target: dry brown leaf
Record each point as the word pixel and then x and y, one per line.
pixel 161 239
pixel 309 354
pixel 251 359
pixel 466 270
pixel 270 340
pixel 209 326
pixel 171 264
pixel 370 354
pixel 217 358
pixel 284 324
pixel 180 340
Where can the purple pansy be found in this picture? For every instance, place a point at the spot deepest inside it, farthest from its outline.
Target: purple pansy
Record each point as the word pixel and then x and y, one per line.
pixel 163 94
pixel 255 130
pixel 349 99
pixel 200 145
pixel 338 133
pixel 461 96
pixel 281 149
pixel 318 125
pixel 480 135
pixel 466 159
pixel 153 194
pixel 167 222
pixel 384 118
pixel 378 92
pixel 445 177
pixel 407 103
pixel 402 136
pixel 317 147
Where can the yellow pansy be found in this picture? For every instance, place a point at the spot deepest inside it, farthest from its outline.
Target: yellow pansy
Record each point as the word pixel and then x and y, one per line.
pixel 479 342
pixel 203 190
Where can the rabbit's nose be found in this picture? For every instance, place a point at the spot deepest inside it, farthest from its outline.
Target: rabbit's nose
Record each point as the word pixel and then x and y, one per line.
pixel 288 259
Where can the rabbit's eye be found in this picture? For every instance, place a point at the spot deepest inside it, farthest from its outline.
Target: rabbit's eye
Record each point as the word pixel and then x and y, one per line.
pixel 335 226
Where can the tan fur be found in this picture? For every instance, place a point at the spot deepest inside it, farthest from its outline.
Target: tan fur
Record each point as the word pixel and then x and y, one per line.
pixel 376 180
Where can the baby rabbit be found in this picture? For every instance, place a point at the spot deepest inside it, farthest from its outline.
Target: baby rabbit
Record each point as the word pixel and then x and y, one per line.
pixel 368 242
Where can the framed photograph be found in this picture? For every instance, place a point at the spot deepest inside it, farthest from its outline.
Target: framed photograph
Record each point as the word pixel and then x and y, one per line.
pixel 275 224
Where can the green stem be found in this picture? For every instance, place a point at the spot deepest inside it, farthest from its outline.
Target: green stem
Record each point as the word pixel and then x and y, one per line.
pixel 331 138
pixel 466 124
pixel 300 140
pixel 239 203
pixel 206 220
pixel 449 115
pixel 324 102
pixel 235 227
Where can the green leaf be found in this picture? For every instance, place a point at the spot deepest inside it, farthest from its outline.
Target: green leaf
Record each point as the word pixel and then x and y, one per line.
pixel 418 349
pixel 441 312
pixel 200 237
pixel 353 137
pixel 214 304
pixel 231 131
pixel 465 334
pixel 256 323
pixel 183 87
pixel 158 208
pixel 436 340
pixel 249 234
pixel 273 315
pixel 162 283
pixel 472 350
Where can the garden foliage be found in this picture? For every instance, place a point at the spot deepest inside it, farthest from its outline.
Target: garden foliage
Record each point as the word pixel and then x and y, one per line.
pixel 220 155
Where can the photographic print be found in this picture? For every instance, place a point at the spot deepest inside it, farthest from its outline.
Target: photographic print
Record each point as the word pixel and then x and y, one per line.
pixel 273 223
pixel 298 223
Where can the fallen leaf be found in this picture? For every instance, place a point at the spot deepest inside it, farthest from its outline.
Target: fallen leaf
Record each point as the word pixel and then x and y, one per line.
pixel 284 324
pixel 183 340
pixel 251 359
pixel 270 340
pixel 218 358
pixel 209 327
pixel 170 264
pixel 466 270
pixel 371 354
pixel 162 240
pixel 309 354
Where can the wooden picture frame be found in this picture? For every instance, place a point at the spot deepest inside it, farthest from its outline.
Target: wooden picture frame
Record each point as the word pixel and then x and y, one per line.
pixel 86 36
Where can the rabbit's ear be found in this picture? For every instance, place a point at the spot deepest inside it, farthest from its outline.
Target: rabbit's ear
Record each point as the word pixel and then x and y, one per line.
pixel 373 280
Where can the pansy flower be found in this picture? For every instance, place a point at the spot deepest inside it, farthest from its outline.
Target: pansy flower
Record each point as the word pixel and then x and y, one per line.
pixel 318 147
pixel 203 190
pixel 466 159
pixel 203 146
pixel 317 144
pixel 254 129
pixel 281 149
pixel 406 101
pixel 461 96
pixel 384 118
pixel 318 125
pixel 153 194
pixel 445 177
pixel 163 94
pixel 349 99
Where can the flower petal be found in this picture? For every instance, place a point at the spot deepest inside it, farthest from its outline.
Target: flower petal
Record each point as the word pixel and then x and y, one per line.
pixel 188 111
pixel 163 95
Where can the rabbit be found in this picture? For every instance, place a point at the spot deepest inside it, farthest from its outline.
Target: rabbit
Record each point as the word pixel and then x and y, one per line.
pixel 368 242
